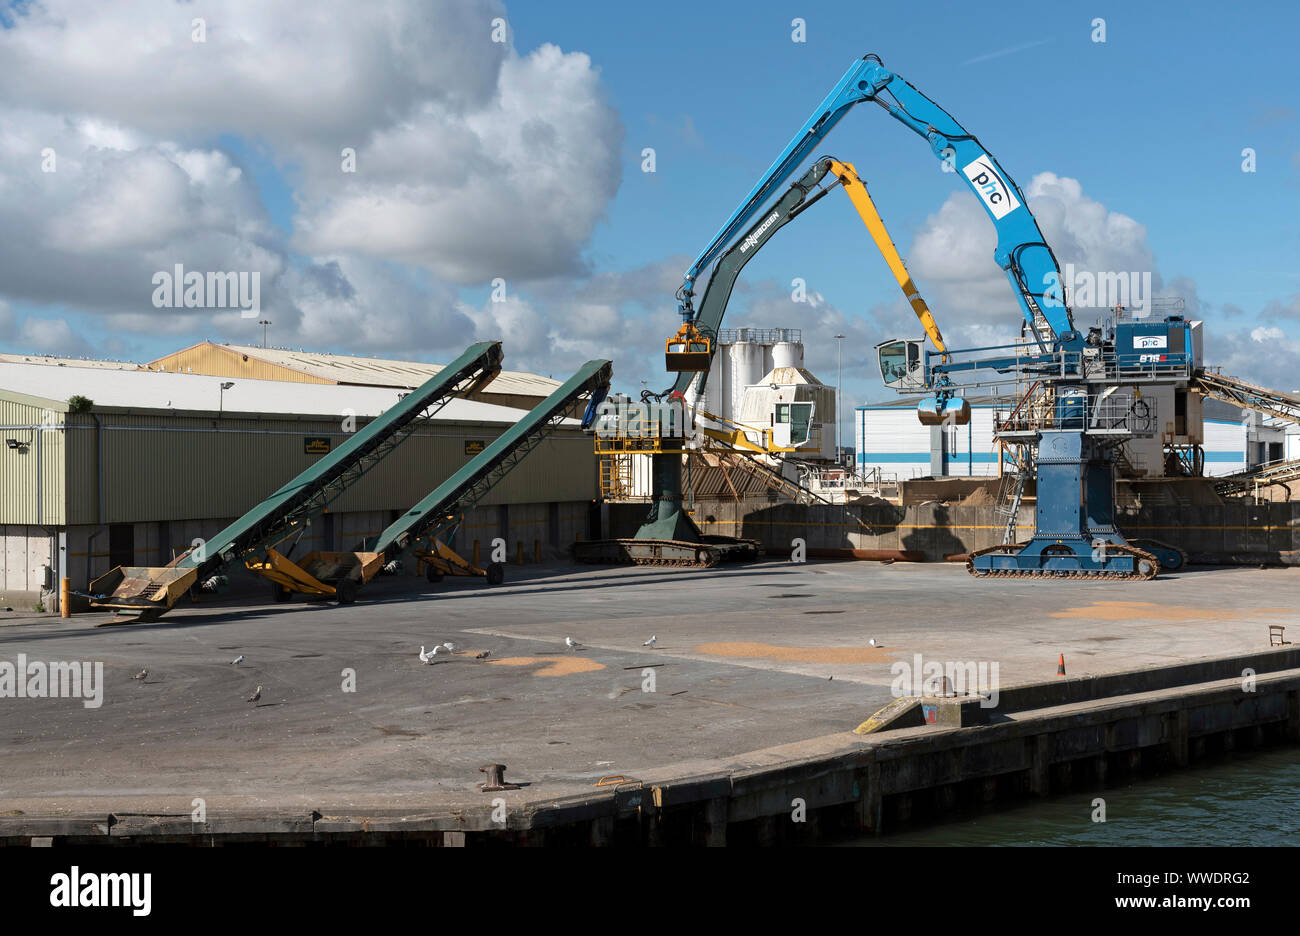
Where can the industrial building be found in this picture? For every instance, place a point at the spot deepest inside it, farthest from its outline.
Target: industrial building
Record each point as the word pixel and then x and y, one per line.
pixel 754 377
pixel 889 440
pixel 109 464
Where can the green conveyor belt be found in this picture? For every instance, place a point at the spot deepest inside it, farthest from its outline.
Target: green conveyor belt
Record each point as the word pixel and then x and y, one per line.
pixel 480 362
pixel 433 510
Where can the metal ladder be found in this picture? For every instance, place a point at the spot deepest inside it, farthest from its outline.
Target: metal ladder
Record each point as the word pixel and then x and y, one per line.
pixel 1013 490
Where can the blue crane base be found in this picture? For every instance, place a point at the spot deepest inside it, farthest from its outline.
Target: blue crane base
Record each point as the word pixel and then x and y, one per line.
pixel 1075 534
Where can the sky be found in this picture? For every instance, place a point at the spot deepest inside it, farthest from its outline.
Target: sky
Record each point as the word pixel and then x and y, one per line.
pixel 497 186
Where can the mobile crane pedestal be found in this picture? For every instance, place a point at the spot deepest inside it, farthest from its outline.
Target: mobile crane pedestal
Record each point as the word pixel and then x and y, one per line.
pixel 668 536
pixel 1075 533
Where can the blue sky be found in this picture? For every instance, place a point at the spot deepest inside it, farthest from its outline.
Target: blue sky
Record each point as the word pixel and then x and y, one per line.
pixel 1151 123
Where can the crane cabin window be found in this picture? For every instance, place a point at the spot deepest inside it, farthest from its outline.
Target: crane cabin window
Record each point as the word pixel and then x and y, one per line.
pixel 900 363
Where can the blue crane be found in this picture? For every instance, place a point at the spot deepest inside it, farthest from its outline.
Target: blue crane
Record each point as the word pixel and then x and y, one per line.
pixel 1021 250
pixel 1089 387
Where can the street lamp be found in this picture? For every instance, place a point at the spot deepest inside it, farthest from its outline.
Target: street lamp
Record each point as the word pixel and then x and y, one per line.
pixel 839 393
pixel 221 399
pixel 264 323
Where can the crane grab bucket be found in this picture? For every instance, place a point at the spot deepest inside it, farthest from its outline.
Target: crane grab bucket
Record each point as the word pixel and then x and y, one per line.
pixel 688 350
pixel 941 411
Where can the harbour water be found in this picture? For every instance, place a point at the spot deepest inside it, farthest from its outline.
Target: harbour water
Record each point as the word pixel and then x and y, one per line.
pixel 1249 799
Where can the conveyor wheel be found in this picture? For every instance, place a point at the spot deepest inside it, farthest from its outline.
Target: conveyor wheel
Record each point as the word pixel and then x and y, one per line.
pixel 346 592
pixel 431 574
pixel 496 573
pixel 280 592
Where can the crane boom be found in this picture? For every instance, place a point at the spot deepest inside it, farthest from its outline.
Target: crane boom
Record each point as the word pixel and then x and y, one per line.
pixel 861 199
pixel 1021 250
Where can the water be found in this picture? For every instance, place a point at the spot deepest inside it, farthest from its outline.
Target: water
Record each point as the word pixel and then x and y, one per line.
pixel 1249 799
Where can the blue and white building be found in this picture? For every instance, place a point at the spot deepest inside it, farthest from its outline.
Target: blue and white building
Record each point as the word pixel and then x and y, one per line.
pixel 890 440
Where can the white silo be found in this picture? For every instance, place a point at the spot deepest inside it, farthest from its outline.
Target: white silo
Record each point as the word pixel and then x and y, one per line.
pixel 746 367
pixel 786 353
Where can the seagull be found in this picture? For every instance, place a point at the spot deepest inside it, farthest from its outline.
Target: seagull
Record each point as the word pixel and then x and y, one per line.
pixel 141 675
pixel 484 655
pixel 571 643
pixel 437 649
pixel 255 696
pixel 451 647
pixel 650 642
pixel 426 657
pixel 237 660
pixel 872 642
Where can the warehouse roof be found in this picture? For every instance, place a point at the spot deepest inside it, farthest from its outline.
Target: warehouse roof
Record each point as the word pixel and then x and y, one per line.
pixel 363 371
pixel 147 390
pixel 52 360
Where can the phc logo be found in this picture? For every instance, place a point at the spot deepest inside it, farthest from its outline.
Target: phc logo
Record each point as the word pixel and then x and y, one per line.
pixel 991 187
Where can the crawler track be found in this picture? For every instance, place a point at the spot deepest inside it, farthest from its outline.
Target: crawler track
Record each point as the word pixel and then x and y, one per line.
pixel 681 554
pixel 1147 566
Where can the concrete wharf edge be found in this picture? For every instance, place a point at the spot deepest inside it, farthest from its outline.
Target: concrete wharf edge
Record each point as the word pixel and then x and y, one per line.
pixel 842 778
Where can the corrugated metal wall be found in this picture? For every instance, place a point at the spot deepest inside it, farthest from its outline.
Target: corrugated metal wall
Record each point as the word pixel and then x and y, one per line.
pixel 32 475
pixel 176 468
pixel 1225 447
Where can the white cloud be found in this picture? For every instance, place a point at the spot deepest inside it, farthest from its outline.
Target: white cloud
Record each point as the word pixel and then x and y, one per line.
pixel 513 189
pixel 972 299
pixel 473 161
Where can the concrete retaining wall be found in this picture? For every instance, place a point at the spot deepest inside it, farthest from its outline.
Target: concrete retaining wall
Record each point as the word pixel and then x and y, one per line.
pixel 1224 533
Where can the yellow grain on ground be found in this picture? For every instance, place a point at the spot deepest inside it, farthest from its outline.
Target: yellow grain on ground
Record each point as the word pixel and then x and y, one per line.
pixel 1148 610
pixel 754 649
pixel 565 666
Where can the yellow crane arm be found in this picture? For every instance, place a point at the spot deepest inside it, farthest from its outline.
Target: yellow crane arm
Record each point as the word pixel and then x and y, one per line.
pixel 857 192
pixel 736 435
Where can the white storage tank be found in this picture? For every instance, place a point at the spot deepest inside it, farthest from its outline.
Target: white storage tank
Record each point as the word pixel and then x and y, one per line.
pixel 787 354
pixel 746 367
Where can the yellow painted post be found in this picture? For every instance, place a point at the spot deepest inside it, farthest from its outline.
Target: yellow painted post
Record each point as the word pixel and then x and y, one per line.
pixel 519 553
pixel 476 560
pixel 537 552
pixel 65 597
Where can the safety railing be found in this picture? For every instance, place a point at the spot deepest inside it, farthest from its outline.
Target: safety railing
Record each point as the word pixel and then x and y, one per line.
pixel 1113 413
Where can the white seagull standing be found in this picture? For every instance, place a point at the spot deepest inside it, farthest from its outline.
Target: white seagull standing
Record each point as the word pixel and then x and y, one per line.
pixel 650 642
pixel 143 674
pixel 571 643
pixel 872 642
pixel 237 660
pixel 450 647
pixel 426 657
pixel 255 696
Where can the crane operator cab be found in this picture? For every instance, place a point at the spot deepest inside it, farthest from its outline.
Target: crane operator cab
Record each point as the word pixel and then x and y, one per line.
pixel 902 368
pixel 901 364
pixel 688 350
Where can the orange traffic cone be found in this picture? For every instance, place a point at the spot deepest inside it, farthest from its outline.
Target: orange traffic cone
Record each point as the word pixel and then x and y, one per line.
pixel 1060 666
